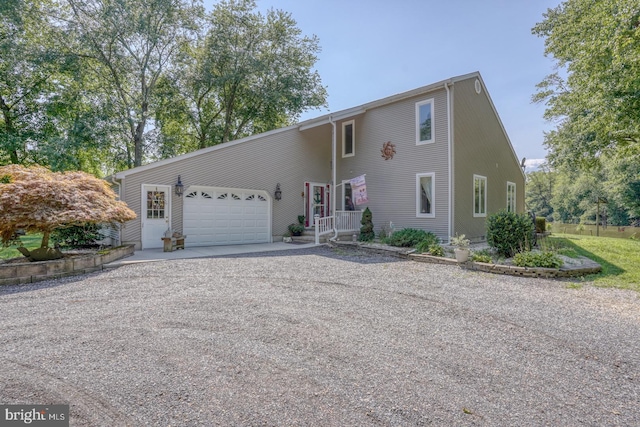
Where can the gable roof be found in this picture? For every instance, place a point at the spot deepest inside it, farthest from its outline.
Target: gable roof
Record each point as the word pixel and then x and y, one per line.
pixel 327 119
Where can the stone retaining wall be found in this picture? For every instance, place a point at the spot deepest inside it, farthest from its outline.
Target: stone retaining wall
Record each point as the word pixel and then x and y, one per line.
pixel 563 272
pixel 29 272
pixel 588 267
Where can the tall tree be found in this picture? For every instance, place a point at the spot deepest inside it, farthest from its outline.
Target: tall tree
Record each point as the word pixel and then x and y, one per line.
pixel 247 73
pixel 130 44
pixel 539 192
pixel 595 94
pixel 29 65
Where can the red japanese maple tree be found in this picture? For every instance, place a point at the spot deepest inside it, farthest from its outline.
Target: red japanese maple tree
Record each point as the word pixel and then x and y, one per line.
pixel 37 199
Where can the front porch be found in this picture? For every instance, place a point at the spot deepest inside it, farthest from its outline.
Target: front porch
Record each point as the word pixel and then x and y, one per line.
pixel 341 222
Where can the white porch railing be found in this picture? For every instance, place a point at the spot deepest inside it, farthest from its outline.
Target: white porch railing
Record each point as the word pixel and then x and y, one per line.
pixel 323 226
pixel 348 220
pixel 342 221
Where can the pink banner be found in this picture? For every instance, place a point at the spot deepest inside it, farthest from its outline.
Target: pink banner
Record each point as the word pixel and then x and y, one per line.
pixel 359 190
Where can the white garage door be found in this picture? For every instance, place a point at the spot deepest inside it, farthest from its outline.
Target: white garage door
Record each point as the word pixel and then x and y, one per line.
pixel 223 216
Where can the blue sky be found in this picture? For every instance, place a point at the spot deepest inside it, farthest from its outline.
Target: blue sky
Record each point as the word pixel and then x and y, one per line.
pixel 372 49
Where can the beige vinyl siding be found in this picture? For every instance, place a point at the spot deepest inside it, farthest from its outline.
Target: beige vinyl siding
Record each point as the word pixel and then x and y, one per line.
pixel 391 184
pixel 288 157
pixel 480 147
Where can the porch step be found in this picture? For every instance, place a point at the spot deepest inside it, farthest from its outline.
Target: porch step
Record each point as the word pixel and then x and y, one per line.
pixel 309 238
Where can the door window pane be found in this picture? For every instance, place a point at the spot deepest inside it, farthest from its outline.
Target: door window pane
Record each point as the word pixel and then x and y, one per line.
pixel 155 204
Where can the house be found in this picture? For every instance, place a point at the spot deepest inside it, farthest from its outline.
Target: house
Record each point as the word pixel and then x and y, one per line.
pixel 435 158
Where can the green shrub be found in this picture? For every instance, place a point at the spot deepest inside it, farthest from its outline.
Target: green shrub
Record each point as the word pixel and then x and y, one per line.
pixel 411 237
pixel 509 232
pixel 537 259
pixel 482 256
pixel 77 235
pixel 436 250
pixel 366 231
pixel 430 247
pixel 541 224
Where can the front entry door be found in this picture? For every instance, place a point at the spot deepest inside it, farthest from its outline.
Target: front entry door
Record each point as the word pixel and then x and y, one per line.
pixel 317 201
pixel 155 214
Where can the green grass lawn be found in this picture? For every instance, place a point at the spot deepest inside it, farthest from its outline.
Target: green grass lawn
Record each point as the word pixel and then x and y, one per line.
pixel 619 258
pixel 30 241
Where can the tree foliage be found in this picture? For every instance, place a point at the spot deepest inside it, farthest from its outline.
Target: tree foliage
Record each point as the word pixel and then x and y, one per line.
pixel 571 195
pixel 594 98
pixel 104 85
pixel 594 93
pixel 28 66
pixel 129 45
pixel 36 199
pixel 539 192
pixel 246 74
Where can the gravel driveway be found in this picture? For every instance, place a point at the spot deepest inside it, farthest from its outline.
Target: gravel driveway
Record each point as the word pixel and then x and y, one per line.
pixel 320 337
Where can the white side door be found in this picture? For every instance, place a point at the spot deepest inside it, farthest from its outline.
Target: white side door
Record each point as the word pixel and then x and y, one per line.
pixel 155 214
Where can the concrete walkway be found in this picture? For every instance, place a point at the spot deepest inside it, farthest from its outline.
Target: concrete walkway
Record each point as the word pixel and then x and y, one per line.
pixel 149 255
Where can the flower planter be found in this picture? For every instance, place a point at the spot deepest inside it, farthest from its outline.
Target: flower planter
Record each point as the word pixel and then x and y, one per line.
pixel 462 255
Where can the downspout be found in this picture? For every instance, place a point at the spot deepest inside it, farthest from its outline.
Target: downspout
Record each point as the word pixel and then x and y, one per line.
pixel 113 180
pixel 334 176
pixel 450 159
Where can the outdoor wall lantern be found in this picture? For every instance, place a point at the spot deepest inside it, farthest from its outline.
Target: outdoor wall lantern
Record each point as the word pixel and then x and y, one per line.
pixel 179 187
pixel 278 192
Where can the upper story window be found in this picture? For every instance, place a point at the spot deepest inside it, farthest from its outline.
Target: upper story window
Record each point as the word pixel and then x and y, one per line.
pixel 511 196
pixel 479 195
pixel 348 139
pixel 424 122
pixel 425 191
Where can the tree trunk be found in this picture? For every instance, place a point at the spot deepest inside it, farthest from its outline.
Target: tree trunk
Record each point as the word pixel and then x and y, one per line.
pixel 139 135
pixel 9 129
pixel 45 239
pixel 137 146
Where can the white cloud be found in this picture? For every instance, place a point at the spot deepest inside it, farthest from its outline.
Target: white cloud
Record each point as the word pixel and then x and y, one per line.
pixel 533 164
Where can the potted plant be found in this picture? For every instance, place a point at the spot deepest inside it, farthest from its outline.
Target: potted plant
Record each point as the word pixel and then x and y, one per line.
pixel 461 249
pixel 297 229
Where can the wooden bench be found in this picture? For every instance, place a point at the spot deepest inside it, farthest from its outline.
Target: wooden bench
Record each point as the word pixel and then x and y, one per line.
pixel 173 243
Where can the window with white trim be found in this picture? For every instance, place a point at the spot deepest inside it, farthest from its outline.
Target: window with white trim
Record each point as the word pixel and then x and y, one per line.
pixel 479 195
pixel 511 196
pixel 348 138
pixel 424 122
pixel 425 192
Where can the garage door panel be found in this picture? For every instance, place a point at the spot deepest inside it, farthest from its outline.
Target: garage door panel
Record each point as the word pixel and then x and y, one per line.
pixel 221 210
pixel 221 217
